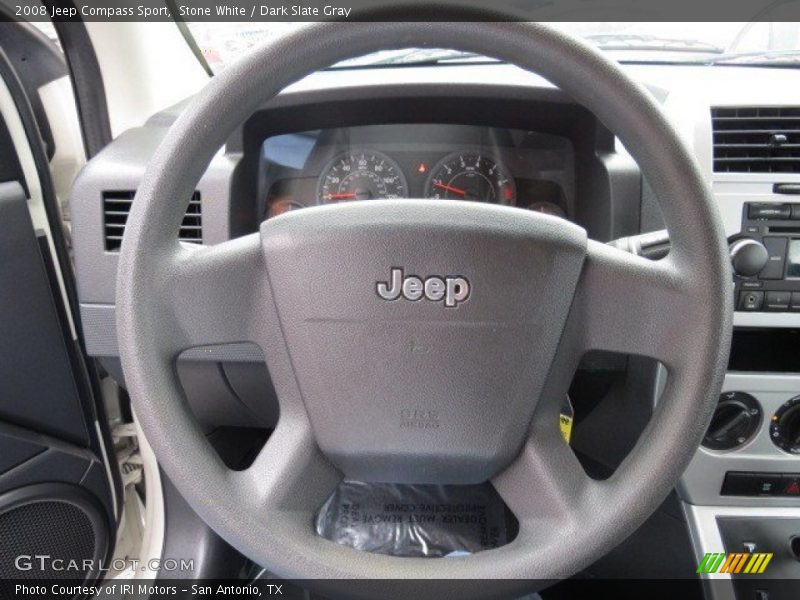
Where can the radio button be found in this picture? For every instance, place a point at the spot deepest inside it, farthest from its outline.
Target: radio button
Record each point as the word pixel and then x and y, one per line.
pixel 777 300
pixel 795 302
pixel 776 249
pixel 751 484
pixel 769 211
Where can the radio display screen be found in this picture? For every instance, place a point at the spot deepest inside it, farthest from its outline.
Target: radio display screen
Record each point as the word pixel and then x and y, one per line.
pixel 793 269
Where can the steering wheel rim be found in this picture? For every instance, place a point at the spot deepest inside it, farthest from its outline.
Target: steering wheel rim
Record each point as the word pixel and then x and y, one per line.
pixel 678 310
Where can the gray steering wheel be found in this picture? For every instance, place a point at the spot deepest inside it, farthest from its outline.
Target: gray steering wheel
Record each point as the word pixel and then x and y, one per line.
pixel 502 338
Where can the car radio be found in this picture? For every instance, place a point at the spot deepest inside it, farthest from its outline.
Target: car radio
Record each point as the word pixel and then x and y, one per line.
pixel 766 258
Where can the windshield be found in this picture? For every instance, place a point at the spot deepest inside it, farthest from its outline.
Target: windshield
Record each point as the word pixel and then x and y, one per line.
pixel 765 43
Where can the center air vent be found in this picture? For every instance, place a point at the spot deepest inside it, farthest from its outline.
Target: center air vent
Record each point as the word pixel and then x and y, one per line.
pixel 117 206
pixel 756 140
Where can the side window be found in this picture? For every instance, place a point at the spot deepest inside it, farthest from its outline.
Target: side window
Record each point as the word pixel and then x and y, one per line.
pixel 35 53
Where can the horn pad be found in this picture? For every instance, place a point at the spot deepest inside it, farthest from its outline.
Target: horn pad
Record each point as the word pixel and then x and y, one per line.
pixel 421 331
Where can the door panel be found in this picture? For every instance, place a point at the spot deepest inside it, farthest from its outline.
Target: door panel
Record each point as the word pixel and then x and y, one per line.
pixel 57 489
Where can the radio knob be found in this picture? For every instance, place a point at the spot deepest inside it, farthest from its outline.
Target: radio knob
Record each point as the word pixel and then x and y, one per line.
pixel 748 257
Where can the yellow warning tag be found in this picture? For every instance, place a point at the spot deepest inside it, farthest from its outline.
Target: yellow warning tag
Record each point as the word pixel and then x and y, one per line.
pixel 565 419
pixel 565 424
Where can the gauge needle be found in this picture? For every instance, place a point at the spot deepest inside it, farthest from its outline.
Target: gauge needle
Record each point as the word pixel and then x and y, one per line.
pixel 449 188
pixel 340 196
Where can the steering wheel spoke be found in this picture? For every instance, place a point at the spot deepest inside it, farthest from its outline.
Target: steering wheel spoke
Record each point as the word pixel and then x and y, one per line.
pixel 546 483
pixel 289 473
pixel 631 305
pixel 215 293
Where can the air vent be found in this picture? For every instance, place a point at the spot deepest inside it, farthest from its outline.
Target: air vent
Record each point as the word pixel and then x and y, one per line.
pixel 117 206
pixel 756 140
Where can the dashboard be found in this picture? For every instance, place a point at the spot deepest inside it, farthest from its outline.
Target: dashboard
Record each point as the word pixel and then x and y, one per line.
pixel 515 167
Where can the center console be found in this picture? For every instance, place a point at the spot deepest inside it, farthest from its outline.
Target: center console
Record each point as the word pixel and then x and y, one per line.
pixel 741 492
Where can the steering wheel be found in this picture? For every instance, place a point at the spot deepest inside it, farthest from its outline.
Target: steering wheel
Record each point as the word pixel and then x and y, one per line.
pixel 504 302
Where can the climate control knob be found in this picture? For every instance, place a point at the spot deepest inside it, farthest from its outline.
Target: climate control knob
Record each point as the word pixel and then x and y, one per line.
pixel 748 257
pixel 735 422
pixel 785 426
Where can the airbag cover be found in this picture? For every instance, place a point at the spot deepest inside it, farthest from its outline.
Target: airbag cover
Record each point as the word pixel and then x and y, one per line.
pixel 421 331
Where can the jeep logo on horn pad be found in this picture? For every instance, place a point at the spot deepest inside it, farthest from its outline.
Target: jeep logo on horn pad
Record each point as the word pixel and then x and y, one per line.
pixel 452 290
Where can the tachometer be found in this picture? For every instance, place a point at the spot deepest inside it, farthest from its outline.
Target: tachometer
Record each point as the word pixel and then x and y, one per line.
pixel 471 176
pixel 361 175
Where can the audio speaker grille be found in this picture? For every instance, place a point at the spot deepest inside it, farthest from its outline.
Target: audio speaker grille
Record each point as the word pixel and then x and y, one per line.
pixel 52 528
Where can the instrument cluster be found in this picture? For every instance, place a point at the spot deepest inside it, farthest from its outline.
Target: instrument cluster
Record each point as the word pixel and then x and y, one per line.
pixel 457 162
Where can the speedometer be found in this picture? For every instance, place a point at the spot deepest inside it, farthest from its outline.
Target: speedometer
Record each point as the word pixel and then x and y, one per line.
pixel 361 175
pixel 471 176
